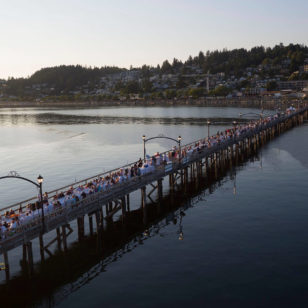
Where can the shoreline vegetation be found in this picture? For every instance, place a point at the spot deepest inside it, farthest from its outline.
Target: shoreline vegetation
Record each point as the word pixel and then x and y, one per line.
pixel 247 102
pixel 237 72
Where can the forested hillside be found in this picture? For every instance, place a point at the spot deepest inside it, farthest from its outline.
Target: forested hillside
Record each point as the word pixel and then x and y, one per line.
pixel 72 79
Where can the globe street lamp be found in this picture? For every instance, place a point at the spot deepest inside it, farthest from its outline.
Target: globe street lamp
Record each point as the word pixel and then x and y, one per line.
pixel 40 180
pixel 179 141
pixel 144 141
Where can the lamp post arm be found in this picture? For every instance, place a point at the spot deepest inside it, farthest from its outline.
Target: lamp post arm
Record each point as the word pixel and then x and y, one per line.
pixel 160 137
pixel 38 186
pixel 19 177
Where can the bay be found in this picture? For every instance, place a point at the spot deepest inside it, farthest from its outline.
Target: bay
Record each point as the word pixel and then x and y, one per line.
pixel 244 242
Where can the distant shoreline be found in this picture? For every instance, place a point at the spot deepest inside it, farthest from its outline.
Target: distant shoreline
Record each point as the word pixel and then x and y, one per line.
pixel 247 102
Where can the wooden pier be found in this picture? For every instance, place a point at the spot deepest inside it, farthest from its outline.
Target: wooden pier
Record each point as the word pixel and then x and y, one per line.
pixel 99 208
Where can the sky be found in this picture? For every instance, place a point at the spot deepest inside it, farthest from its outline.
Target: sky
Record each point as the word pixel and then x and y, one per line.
pixel 40 33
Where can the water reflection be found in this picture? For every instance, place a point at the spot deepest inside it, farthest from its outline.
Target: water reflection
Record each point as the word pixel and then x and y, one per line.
pixel 84 261
pixel 69 119
pixel 142 112
pixel 235 240
pixel 295 145
pixel 180 232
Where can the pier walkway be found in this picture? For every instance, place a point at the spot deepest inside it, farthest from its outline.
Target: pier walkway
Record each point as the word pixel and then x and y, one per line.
pixel 102 204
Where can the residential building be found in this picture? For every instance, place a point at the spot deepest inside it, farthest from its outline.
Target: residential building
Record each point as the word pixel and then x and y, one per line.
pixel 296 85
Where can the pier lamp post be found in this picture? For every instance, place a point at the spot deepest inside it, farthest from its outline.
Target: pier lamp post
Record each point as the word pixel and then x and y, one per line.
pixel 144 141
pixel 180 153
pixel 234 128
pixel 208 128
pixel 178 141
pixel 40 180
pixel 234 124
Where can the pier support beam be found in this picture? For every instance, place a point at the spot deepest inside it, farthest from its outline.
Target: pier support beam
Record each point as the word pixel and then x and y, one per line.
pixel 64 238
pixel 160 190
pixel 42 247
pixel 80 225
pixel 6 266
pixel 144 205
pixel 171 181
pixel 123 208
pixel 215 162
pixel 30 258
pixel 185 178
pixel 99 227
pixel 58 238
pixel 91 224
pixel 127 203
pixel 24 255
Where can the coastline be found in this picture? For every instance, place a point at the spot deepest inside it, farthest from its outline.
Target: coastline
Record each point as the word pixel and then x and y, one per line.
pixel 247 102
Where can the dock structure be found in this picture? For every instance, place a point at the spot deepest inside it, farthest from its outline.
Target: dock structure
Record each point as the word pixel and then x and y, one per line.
pixel 100 207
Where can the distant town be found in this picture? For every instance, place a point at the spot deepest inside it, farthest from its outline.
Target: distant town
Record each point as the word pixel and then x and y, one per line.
pixel 281 71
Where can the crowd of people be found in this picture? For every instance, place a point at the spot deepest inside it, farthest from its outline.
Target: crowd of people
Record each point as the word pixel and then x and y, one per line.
pixel 11 220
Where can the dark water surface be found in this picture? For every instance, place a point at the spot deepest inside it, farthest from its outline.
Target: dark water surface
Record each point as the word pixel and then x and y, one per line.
pixel 248 249
pixel 245 241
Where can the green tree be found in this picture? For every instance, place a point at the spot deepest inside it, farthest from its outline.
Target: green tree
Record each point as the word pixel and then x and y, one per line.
pixel 146 85
pixel 132 87
pixel 196 92
pixel 170 93
pixel 180 83
pixel 220 91
pixel 166 67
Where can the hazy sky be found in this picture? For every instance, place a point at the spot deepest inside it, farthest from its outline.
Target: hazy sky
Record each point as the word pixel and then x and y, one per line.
pixel 41 33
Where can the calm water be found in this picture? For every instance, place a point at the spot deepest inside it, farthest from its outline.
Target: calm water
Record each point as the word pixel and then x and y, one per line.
pixel 245 243
pixel 68 145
